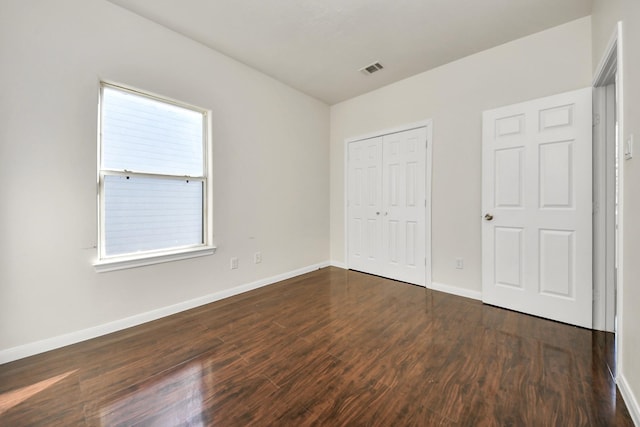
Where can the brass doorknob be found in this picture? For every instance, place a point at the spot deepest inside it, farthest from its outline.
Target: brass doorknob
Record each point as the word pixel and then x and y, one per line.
pixel 488 217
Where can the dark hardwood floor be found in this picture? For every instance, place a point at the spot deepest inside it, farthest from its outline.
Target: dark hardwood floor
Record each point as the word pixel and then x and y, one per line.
pixel 332 347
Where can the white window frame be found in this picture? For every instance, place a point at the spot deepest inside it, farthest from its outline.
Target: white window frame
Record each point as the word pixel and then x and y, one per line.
pixel 130 260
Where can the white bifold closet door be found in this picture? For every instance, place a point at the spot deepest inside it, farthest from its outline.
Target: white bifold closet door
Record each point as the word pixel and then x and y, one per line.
pixel 387 205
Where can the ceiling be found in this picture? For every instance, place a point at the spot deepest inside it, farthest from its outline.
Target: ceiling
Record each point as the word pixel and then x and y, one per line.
pixel 318 46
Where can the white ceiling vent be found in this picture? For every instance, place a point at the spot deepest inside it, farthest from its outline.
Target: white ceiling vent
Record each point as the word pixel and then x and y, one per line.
pixel 370 69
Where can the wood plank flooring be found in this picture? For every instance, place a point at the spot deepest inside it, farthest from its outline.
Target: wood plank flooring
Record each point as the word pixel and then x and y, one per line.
pixel 332 347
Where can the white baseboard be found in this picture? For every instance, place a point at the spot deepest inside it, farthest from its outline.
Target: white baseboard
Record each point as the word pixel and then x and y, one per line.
pixel 48 344
pixel 454 290
pixel 629 399
pixel 461 292
pixel 338 264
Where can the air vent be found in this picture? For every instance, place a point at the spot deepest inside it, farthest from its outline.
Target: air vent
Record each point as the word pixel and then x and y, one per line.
pixel 370 69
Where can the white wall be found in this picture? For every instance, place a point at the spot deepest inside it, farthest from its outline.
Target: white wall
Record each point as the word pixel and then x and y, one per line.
pixel 271 162
pixel 454 96
pixel 605 15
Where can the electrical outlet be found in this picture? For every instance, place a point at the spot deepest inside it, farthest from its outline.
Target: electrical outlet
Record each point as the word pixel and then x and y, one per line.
pixel 257 258
pixel 234 263
pixel 459 263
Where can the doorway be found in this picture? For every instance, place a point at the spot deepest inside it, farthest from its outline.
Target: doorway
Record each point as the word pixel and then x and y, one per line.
pixel 608 185
pixel 605 205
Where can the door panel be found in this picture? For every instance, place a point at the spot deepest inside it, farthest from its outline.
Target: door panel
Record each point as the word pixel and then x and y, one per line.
pixel 556 263
pixel 508 256
pixel 509 177
pixel 365 224
pixel 403 199
pixel 536 240
pixel 556 173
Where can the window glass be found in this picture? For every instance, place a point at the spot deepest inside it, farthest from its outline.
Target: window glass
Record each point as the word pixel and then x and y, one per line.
pixel 147 214
pixel 152 175
pixel 145 135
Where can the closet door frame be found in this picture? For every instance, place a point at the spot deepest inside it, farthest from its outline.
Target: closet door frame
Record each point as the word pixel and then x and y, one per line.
pixel 428 125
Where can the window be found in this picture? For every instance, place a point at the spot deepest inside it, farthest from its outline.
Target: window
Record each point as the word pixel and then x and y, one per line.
pixel 153 188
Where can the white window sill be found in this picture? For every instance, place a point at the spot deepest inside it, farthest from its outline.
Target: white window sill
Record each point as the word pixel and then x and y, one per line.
pixel 133 261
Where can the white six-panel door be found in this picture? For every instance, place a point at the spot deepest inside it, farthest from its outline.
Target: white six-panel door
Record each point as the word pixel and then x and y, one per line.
pixel 387 205
pixel 536 226
pixel 403 199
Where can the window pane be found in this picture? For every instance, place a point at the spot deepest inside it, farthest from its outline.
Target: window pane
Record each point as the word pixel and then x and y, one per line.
pixel 145 214
pixel 145 135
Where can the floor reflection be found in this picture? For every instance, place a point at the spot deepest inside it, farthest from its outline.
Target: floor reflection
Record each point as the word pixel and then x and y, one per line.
pixel 171 399
pixel 13 398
